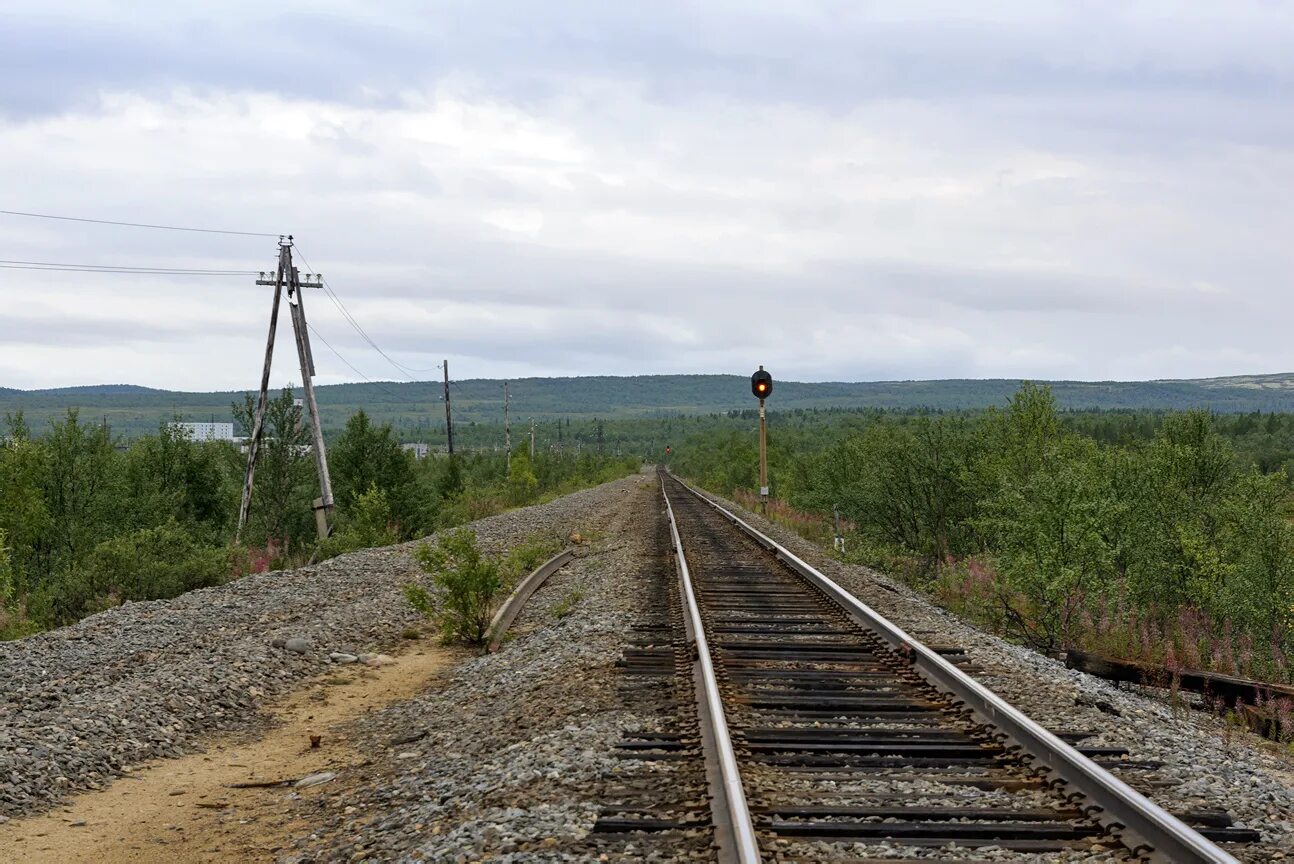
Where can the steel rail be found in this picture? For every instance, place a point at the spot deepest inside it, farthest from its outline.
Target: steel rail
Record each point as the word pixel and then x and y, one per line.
pixel 735 832
pixel 516 601
pixel 1143 826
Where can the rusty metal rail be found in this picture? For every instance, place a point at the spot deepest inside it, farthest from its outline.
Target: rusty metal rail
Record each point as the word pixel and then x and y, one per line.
pixel 516 601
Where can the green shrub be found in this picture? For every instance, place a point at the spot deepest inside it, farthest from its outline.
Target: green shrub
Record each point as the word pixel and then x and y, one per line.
pixel 453 511
pixel 886 557
pixel 468 583
pixel 150 564
pixel 6 573
pixel 15 623
pixel 420 600
pixel 369 523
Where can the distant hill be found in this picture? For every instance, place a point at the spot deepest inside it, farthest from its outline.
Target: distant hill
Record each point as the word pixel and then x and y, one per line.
pixel 132 409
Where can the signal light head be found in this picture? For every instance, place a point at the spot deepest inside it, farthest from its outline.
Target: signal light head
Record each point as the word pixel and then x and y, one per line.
pixel 761 384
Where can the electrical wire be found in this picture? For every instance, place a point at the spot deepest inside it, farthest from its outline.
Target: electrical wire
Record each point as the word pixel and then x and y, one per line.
pixel 377 384
pixel 341 307
pixel 8 264
pixel 136 224
pixel 407 371
pixel 120 272
pixel 66 267
pixel 120 268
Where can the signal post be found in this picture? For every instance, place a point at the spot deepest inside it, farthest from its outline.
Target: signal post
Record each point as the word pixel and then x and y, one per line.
pixel 761 385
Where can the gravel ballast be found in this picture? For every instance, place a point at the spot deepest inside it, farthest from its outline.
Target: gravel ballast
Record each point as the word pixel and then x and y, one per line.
pixel 145 680
pixel 508 761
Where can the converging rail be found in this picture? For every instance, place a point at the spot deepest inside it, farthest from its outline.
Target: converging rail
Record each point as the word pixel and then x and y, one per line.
pixel 825 725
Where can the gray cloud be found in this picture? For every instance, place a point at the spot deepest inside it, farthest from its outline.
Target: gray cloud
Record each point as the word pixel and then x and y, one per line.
pixel 832 55
pixel 1056 189
pixel 62 330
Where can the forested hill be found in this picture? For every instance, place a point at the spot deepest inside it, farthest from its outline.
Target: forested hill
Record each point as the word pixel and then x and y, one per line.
pixel 131 409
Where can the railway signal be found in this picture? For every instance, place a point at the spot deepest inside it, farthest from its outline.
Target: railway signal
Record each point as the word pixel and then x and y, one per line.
pixel 761 385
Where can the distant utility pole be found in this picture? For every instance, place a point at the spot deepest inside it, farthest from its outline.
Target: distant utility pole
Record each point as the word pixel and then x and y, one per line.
pixel 287 276
pixel 532 439
pixel 449 423
pixel 507 433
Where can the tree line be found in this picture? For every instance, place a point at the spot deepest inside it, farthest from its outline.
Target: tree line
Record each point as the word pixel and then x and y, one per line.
pixel 1163 536
pixel 137 410
pixel 88 520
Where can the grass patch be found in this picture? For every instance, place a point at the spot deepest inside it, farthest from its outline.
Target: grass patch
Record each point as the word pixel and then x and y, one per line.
pixel 567 604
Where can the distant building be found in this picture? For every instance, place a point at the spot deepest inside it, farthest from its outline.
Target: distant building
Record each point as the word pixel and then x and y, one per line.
pixel 207 431
pixel 417 448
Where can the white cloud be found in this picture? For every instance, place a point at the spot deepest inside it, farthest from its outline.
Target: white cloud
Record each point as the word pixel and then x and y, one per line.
pixel 1052 190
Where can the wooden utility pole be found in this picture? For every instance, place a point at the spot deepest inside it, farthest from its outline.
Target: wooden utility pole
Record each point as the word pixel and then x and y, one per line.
pixel 287 276
pixel 323 505
pixel 449 423
pixel 532 439
pixel 507 433
pixel 258 422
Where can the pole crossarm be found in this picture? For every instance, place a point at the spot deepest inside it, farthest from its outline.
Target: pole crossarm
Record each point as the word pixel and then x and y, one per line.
pixel 308 280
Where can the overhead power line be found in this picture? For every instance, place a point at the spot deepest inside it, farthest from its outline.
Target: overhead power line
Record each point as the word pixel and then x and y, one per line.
pixel 136 224
pixel 377 384
pixel 141 270
pixel 121 268
pixel 407 371
pixel 241 275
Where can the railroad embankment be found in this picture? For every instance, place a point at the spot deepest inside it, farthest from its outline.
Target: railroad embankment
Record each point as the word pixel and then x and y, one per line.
pixel 511 759
pixel 90 710
pixel 220 726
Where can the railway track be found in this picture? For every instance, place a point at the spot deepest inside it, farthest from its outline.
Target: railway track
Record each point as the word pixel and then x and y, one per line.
pixel 828 734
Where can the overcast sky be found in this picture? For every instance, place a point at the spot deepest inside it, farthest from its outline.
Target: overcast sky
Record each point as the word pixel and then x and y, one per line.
pixel 837 190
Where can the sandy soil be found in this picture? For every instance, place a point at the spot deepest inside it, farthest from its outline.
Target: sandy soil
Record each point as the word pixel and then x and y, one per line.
pixel 184 810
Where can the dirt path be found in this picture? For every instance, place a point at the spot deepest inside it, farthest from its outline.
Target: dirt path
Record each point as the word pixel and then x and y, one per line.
pixel 177 811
